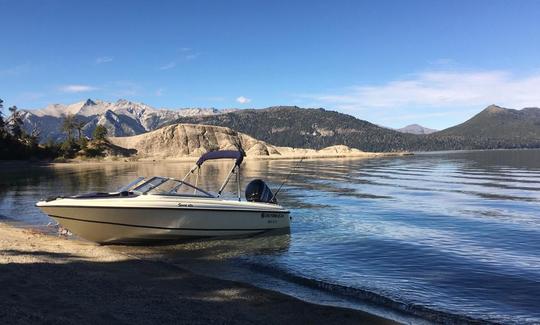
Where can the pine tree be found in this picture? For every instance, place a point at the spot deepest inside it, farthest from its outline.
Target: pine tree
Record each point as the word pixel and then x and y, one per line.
pixel 100 132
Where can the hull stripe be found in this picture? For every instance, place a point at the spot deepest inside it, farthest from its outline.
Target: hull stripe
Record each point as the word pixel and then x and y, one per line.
pixel 165 228
pixel 157 208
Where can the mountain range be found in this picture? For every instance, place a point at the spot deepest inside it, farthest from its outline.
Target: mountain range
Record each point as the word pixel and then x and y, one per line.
pixel 315 128
pixel 493 128
pixel 121 118
pixel 290 126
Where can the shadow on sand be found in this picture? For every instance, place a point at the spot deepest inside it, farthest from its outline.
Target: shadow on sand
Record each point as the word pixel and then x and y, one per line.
pixel 70 289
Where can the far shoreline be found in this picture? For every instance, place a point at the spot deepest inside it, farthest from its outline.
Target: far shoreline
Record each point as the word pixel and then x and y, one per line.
pixel 191 159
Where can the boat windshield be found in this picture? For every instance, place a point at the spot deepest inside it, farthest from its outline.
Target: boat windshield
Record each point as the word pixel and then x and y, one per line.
pixel 169 186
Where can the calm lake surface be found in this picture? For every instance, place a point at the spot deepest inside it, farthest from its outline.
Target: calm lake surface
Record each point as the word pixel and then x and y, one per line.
pixel 451 234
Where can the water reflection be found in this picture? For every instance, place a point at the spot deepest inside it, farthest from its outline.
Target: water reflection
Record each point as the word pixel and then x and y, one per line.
pixel 269 243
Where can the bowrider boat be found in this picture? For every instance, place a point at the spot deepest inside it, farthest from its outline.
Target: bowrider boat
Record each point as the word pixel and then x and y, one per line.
pixel 164 208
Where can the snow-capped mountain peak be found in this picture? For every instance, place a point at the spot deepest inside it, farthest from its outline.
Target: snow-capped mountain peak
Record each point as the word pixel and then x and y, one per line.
pixel 121 118
pixel 57 110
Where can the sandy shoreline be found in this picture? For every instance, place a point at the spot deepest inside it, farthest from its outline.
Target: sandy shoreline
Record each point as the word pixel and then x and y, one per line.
pixel 46 279
pixel 192 159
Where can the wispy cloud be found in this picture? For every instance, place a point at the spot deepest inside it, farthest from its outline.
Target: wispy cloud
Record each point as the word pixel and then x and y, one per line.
pixel 188 53
pixel 77 88
pixel 439 89
pixel 159 92
pixel 104 59
pixel 183 54
pixel 422 97
pixel 243 100
pixel 168 66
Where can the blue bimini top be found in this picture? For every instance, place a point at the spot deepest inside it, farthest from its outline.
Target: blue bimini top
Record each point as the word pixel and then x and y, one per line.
pixel 222 154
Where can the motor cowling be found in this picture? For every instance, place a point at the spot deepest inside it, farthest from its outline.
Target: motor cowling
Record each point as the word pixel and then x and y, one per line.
pixel 258 191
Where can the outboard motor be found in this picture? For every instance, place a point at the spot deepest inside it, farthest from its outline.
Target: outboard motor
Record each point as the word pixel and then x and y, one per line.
pixel 258 191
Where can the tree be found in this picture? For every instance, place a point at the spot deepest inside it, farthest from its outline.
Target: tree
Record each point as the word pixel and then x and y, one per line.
pixel 1 118
pixel 69 147
pixel 32 139
pixel 79 125
pixel 100 132
pixel 15 123
pixel 15 143
pixel 68 124
pixel 2 123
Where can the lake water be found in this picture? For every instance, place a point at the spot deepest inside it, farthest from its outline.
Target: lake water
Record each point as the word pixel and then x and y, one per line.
pixel 447 236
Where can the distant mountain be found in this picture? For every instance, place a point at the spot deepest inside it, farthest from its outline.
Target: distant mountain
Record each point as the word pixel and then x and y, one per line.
pixel 122 118
pixel 416 129
pixel 292 126
pixel 496 122
pixel 493 128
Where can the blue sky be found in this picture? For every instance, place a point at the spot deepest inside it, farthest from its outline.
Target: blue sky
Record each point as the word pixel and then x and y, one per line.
pixel 390 62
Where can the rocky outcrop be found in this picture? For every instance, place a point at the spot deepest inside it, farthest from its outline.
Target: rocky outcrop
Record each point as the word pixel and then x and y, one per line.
pixel 185 140
pixel 192 140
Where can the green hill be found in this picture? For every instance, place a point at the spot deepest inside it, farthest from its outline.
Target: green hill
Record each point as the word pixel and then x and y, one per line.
pixel 307 128
pixel 292 126
pixel 500 123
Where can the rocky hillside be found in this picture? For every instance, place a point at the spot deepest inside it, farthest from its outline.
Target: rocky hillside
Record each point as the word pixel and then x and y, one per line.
pixel 416 129
pixel 192 140
pixel 122 118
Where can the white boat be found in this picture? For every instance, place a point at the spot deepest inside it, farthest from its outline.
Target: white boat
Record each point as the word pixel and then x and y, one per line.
pixel 164 208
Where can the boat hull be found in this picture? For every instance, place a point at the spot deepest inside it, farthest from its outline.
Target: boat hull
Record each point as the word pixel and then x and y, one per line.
pixel 140 224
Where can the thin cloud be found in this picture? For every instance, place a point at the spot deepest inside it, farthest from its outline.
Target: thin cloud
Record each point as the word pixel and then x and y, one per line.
pixel 243 100
pixel 437 98
pixel 192 56
pixel 77 88
pixel 168 66
pixel 183 54
pixel 159 92
pixel 439 89
pixel 104 59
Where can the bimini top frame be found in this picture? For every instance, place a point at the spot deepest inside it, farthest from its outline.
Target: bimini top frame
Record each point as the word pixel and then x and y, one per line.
pixel 222 154
pixel 238 156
